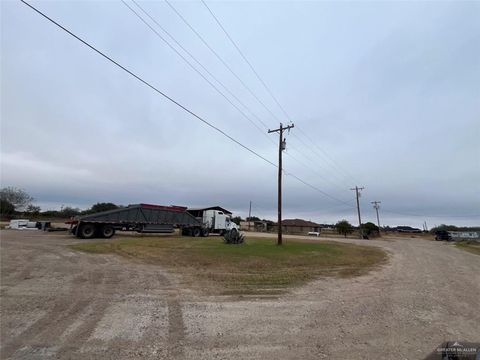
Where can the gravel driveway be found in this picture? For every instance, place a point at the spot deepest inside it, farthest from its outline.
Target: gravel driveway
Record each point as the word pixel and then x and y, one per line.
pixel 57 303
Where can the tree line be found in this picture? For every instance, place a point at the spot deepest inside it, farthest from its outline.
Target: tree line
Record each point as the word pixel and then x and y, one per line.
pixel 17 202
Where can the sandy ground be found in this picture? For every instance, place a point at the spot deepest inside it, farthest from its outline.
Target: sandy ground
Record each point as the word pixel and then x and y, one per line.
pixel 57 303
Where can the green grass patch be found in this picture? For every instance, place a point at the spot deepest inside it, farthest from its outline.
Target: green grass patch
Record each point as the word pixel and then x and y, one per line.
pixel 469 245
pixel 257 267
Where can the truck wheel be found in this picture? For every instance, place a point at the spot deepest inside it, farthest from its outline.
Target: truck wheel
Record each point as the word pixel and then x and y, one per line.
pixel 86 231
pixel 205 232
pixel 107 231
pixel 196 232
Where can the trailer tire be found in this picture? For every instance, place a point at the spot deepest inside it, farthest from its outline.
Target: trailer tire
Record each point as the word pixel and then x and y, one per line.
pixel 205 232
pixel 196 232
pixel 107 231
pixel 87 231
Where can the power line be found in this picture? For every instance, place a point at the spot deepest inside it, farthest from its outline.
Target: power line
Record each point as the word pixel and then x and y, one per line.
pixel 315 171
pixel 149 85
pixel 248 62
pixel 191 65
pixel 220 59
pixel 183 107
pixel 326 156
pixel 333 171
pixel 197 61
pixel 205 69
pixel 257 75
pixel 432 216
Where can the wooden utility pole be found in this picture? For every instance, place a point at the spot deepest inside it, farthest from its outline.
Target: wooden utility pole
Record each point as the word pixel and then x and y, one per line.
pixel 376 207
pixel 357 193
pixel 281 147
pixel 249 215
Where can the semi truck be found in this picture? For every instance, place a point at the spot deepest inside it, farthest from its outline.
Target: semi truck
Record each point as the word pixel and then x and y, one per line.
pixel 148 218
pixel 216 219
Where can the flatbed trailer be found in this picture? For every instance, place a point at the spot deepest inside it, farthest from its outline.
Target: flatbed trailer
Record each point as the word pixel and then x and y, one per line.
pixel 141 218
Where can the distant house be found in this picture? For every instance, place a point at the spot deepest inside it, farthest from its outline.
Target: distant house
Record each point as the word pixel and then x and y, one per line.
pixel 258 225
pixel 406 229
pixel 299 226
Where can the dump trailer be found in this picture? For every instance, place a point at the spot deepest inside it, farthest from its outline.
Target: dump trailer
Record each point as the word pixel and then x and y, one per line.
pixel 143 218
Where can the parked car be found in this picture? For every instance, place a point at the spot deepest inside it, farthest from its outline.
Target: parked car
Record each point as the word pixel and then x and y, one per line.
pixel 442 235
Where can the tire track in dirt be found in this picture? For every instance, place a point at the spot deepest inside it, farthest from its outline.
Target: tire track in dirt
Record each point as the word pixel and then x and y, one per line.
pixel 176 331
pixel 97 304
pixel 49 327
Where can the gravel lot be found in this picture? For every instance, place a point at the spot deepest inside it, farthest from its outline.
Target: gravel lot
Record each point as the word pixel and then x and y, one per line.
pixel 57 303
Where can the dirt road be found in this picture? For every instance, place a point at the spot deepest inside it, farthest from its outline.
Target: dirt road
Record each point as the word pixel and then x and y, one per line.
pixel 57 303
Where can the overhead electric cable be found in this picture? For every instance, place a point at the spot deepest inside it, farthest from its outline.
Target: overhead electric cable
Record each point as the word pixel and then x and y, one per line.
pixel 326 156
pixel 317 189
pixel 206 70
pixel 318 173
pixel 183 107
pixel 434 216
pixel 195 69
pixel 196 60
pixel 148 84
pixel 267 88
pixel 337 179
pixel 334 171
pixel 248 62
pixel 221 59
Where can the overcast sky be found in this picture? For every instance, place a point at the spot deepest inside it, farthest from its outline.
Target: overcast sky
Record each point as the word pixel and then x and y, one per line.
pixel 389 92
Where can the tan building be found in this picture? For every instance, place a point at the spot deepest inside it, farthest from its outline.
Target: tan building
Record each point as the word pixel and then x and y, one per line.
pixel 253 226
pixel 298 226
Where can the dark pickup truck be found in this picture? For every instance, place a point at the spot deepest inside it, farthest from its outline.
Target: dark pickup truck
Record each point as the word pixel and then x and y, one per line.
pixel 442 235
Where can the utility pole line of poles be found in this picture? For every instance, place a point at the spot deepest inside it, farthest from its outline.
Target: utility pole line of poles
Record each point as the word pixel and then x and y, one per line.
pixel 357 193
pixel 376 207
pixel 281 147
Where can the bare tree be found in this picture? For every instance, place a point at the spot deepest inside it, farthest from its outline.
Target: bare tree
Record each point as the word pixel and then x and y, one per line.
pixel 19 198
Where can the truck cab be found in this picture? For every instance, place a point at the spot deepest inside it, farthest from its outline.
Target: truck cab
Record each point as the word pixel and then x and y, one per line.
pixel 215 219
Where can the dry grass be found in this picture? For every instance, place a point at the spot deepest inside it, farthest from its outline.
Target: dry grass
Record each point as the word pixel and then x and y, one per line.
pixel 469 245
pixel 259 266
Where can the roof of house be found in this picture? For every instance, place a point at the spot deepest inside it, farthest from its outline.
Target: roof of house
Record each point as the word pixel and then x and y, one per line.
pixel 298 222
